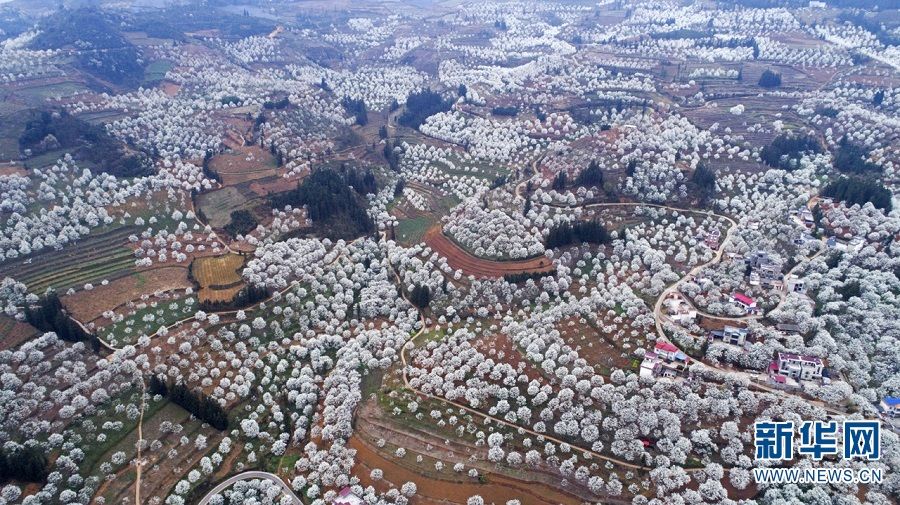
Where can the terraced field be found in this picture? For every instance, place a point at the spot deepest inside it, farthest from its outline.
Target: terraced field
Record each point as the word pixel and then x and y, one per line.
pixel 90 260
pixel 219 277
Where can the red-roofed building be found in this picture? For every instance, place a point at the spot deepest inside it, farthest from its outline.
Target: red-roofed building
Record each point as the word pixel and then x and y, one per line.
pixel 346 497
pixel 666 350
pixel 749 304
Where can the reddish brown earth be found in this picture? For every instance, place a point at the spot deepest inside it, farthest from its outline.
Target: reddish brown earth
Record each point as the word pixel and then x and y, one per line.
pixel 90 305
pixel 480 267
pixel 280 185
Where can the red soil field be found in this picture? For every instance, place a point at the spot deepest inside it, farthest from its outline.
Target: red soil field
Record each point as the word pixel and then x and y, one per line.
pixel 90 305
pixel 280 185
pixel 431 491
pixel 480 267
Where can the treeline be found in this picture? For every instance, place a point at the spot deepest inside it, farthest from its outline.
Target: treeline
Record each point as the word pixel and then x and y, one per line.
pixel 769 79
pixel 763 4
pixel 332 206
pixel 420 105
pixel 279 158
pixel 565 234
pixel 855 190
pixel 51 130
pixel 22 463
pixel 280 104
pixel 708 39
pixel 48 315
pixel 851 158
pixel 363 182
pixel 524 276
pixel 786 149
pixel 242 222
pixel 200 405
pixel 873 25
pixel 179 17
pixel 208 172
pixel 420 296
pixel 249 295
pixel 704 178
pixel 683 33
pixel 392 155
pixel 357 109
pixel 505 111
pixel 590 176
pixel 559 182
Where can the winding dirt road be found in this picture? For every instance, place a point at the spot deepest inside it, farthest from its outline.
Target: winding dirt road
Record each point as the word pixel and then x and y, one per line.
pixel 225 484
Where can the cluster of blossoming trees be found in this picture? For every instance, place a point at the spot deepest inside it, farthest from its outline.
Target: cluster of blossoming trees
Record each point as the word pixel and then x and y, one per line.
pixel 527 373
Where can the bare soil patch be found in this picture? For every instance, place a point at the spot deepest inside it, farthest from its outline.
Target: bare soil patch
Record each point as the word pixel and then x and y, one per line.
pixel 246 163
pixel 219 277
pixel 13 333
pixel 480 267
pixel 89 305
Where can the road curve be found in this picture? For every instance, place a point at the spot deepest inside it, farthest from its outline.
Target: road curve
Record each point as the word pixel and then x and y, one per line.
pixel 253 474
pixel 406 366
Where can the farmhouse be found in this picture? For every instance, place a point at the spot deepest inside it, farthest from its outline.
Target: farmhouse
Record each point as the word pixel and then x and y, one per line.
pixel 655 365
pixel 730 335
pixel 744 301
pixel 788 328
pixel 890 405
pixel 795 284
pixel 346 497
pixel 803 238
pixel 834 243
pixel 650 366
pixel 680 311
pixel 781 381
pixel 666 350
pixel 712 238
pixel 799 366
pixel 763 268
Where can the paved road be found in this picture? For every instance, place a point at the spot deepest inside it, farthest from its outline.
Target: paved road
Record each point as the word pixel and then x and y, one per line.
pixel 286 490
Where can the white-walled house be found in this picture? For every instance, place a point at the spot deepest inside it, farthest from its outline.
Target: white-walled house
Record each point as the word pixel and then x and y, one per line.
pixel 800 366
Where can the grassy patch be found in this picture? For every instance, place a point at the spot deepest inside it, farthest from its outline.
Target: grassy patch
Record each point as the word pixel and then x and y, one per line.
pixel 156 70
pixel 435 335
pixel 36 95
pixel 412 230
pixel 371 381
pixel 218 205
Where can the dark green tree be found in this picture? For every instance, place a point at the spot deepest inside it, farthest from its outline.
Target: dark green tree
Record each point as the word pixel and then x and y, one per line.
pixel 769 79
pixel 559 183
pixel 420 296
pixel 591 176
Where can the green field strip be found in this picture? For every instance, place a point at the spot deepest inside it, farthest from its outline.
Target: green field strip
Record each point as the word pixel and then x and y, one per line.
pixel 73 264
pixel 78 276
pixel 80 279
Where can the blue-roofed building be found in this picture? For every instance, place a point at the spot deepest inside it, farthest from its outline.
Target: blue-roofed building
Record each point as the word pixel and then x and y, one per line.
pixel 891 406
